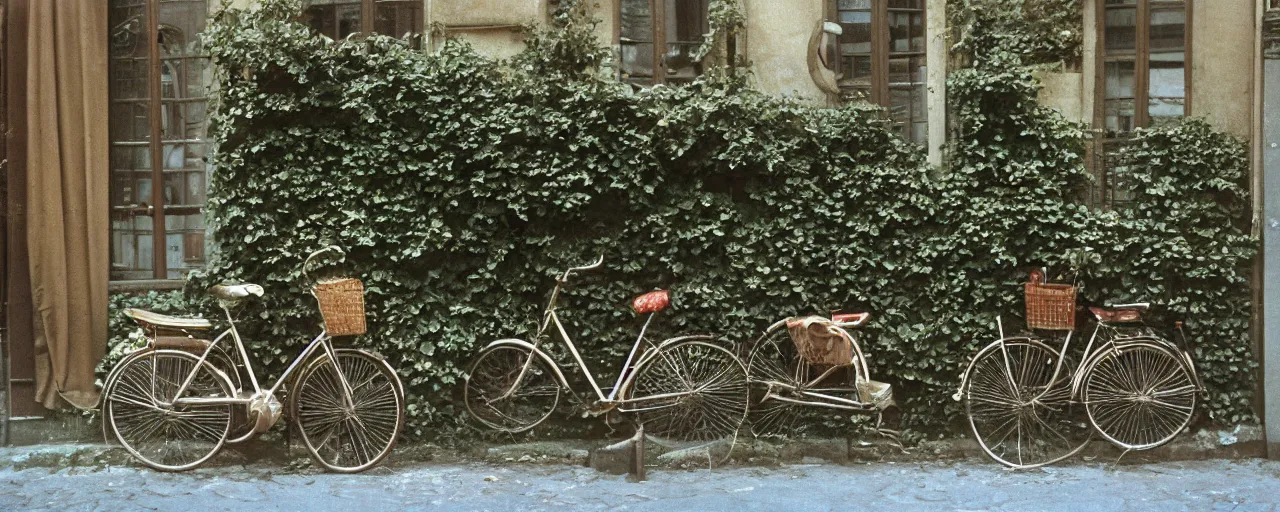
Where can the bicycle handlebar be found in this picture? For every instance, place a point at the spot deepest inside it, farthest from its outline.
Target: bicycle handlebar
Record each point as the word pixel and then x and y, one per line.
pixel 592 266
pixel 313 255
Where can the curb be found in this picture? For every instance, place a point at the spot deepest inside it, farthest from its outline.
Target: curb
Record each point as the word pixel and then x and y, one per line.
pixel 1242 442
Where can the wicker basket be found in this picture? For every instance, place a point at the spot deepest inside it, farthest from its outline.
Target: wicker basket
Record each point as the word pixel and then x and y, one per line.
pixel 342 305
pixel 1051 306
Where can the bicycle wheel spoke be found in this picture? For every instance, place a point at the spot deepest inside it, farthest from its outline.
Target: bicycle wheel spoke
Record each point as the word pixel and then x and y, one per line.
pixel 351 427
pixel 1018 409
pixel 1139 395
pixel 708 387
pixel 171 437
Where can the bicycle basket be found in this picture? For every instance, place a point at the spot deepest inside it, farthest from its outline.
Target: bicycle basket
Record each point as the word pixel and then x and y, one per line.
pixel 818 344
pixel 1051 306
pixel 341 305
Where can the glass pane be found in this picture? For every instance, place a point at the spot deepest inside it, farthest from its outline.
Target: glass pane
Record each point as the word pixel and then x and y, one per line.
pixel 1119 117
pixel 686 20
pixel 637 21
pixel 856 34
pixel 907 97
pixel 129 127
pixel 1122 2
pixel 679 62
pixel 1168 30
pixel 1121 30
pixel 1119 79
pixel 398 18
pixel 856 72
pixel 906 4
pixel 1168 75
pixel 854 4
pixel 906 71
pixel 334 18
pixel 185 79
pixel 637 61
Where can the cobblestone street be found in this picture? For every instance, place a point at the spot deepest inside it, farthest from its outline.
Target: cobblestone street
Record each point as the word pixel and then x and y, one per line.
pixel 971 485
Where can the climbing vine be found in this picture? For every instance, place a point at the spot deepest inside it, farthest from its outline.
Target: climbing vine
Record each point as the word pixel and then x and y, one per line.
pixel 461 185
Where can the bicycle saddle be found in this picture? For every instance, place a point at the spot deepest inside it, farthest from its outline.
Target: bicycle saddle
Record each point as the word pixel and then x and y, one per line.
pixel 235 292
pixel 1120 313
pixel 850 319
pixel 148 318
pixel 651 302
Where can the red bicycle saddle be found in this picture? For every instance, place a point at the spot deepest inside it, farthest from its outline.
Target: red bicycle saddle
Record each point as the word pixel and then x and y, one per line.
pixel 651 302
pixel 850 319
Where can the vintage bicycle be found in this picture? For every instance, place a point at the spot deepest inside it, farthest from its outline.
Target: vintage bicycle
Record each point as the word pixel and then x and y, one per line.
pixel 805 362
pixel 1029 406
pixel 683 389
pixel 174 403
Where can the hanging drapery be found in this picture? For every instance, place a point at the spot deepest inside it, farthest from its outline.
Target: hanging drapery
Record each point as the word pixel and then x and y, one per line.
pixel 67 190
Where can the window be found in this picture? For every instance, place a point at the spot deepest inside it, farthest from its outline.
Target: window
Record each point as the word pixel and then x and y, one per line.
pixel 1144 77
pixel 882 59
pixel 660 48
pixel 159 77
pixel 341 18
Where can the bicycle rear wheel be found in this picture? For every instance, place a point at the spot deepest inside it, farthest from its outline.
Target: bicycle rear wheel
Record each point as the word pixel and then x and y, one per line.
pixel 1012 425
pixel 139 406
pixel 689 391
pixel 510 388
pixel 349 432
pixel 775 367
pixel 1139 395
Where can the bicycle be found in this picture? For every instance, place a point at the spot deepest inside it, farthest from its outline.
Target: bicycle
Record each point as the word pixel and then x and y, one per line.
pixel 687 389
pixel 1135 388
pixel 177 401
pixel 813 362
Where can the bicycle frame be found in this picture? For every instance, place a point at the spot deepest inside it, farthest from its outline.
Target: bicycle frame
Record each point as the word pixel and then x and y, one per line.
pixel 550 318
pixel 321 341
pixel 859 366
pixel 1112 337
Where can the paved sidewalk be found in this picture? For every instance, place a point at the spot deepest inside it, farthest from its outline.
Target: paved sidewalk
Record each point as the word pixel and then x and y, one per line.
pixel 1243 485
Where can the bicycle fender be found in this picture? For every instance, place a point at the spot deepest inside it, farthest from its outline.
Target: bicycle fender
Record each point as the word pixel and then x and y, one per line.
pixel 513 342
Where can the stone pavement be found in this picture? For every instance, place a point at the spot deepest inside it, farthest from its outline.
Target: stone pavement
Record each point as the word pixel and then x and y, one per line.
pixel 973 484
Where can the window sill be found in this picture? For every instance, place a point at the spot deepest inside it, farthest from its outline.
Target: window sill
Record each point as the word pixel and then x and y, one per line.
pixel 145 285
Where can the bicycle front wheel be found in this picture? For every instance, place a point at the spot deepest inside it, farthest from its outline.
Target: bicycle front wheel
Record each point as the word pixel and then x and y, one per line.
pixel 1021 416
pixel 510 388
pixel 690 391
pixel 139 404
pixel 349 414
pixel 1139 395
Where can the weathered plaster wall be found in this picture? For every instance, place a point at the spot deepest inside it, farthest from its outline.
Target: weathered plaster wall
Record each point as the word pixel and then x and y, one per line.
pixel 498 44
pixel 491 26
pixel 1064 92
pixel 605 11
pixel 486 12
pixel 777 44
pixel 1222 58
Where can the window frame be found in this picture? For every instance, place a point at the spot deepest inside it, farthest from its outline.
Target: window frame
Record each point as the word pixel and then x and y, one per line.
pixel 1104 193
pixel 881 52
pixel 368 18
pixel 658 75
pixel 155 206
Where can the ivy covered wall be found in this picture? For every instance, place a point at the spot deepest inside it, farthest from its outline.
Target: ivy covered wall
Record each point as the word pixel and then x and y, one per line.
pixel 462 185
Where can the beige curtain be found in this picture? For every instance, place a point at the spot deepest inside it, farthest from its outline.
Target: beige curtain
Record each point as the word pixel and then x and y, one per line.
pixel 67 194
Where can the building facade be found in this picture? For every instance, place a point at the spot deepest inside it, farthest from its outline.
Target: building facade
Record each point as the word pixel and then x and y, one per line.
pixel 1143 62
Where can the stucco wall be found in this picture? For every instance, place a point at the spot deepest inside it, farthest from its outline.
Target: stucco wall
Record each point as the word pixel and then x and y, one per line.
pixel 1222 57
pixel 777 43
pixel 486 12
pixel 1064 92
